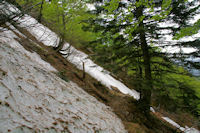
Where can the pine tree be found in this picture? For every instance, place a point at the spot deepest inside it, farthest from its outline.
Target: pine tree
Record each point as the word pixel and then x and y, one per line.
pixel 134 26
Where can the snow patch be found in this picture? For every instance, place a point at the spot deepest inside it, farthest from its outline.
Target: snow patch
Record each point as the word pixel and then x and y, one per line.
pixel 183 129
pixel 8 36
pixel 152 109
pixel 33 99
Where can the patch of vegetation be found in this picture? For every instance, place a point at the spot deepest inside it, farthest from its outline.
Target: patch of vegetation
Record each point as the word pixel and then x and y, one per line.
pixel 62 75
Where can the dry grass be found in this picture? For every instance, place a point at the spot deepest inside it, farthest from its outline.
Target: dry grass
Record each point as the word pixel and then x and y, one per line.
pixel 134 127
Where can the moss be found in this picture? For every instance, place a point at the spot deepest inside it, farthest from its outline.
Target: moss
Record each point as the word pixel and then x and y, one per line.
pixel 62 75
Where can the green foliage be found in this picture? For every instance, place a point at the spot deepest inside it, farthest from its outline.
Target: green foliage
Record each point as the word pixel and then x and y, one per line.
pixel 63 76
pixel 183 90
pixel 112 6
pixel 188 31
pixel 66 17
pixel 74 12
pixel 174 88
pixel 123 55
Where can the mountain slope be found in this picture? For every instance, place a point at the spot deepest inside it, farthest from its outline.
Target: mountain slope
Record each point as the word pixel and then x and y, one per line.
pixel 42 34
pixel 33 98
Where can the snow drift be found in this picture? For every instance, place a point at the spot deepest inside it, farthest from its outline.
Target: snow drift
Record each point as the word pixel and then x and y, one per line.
pixel 34 99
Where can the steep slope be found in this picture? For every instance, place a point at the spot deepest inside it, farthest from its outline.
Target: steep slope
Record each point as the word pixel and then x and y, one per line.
pixel 33 98
pixel 76 57
pixel 47 37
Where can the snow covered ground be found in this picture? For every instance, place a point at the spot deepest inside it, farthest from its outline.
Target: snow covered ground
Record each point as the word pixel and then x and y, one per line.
pixel 34 99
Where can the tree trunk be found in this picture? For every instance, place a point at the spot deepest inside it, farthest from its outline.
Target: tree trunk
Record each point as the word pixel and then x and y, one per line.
pixel 40 15
pixel 62 35
pixel 145 99
pixel 83 76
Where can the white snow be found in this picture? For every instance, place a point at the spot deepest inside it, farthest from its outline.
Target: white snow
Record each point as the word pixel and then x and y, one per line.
pixel 183 129
pixel 152 109
pixel 34 99
pixel 173 123
pixel 8 36
pixel 168 39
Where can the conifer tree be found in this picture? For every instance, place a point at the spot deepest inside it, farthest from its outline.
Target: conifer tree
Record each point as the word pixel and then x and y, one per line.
pixel 136 27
